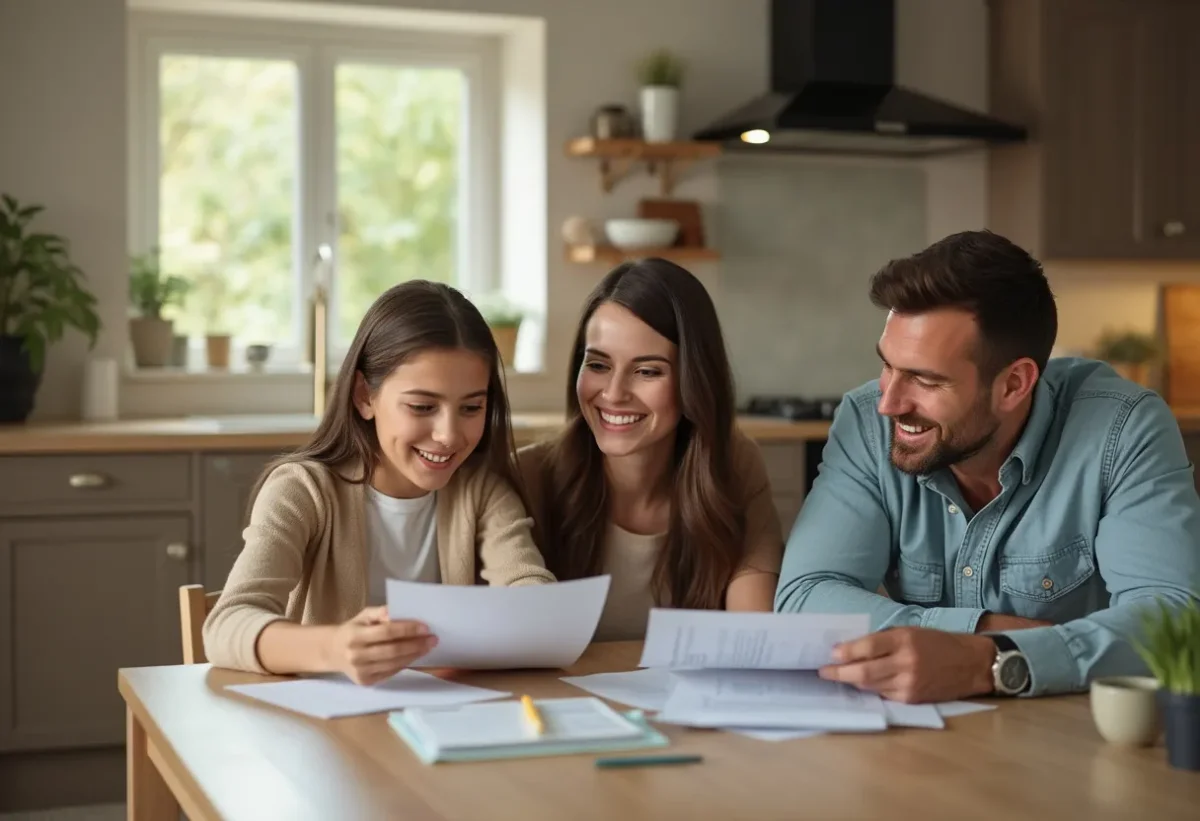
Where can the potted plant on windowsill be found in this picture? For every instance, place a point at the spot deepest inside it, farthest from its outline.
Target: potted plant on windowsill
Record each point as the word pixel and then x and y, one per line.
pixel 1171 649
pixel 41 294
pixel 150 291
pixel 1130 353
pixel 504 318
pixel 660 75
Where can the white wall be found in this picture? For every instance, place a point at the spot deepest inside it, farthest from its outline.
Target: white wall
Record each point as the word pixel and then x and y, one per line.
pixel 62 144
pixel 67 145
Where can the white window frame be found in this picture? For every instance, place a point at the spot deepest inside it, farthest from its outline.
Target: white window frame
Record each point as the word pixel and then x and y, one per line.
pixel 316 49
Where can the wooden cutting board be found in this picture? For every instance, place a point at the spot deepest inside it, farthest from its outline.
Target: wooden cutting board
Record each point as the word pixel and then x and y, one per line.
pixel 1181 329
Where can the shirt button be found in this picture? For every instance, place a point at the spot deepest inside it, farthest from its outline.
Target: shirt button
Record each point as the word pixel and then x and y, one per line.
pixel 952 509
pixel 968 572
pixel 1047 584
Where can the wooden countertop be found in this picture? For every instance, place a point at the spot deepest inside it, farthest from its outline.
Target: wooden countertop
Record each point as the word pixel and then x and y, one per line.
pixel 286 431
pixel 279 432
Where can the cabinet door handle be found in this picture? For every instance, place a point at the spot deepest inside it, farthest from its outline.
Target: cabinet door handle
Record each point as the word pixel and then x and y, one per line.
pixel 88 480
pixel 1174 228
pixel 177 551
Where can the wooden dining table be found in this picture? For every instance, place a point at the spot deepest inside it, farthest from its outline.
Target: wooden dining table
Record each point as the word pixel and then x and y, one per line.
pixel 220 755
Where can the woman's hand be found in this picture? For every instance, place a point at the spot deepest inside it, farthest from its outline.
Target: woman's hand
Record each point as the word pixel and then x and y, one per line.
pixel 371 647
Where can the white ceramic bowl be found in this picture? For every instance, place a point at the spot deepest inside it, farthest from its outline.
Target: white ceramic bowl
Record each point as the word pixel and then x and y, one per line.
pixel 641 233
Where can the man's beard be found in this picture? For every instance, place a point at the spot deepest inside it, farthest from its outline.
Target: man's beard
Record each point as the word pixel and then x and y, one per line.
pixel 978 429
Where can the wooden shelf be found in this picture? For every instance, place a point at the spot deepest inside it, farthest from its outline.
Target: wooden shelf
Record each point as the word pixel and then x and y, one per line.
pixel 608 253
pixel 619 157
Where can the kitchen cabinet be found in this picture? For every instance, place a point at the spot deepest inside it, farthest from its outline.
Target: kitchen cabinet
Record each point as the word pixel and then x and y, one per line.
pixel 85 595
pixel 226 482
pixel 1110 90
pixel 786 465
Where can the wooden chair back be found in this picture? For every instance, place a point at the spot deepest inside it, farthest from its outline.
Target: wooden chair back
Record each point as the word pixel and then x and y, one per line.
pixel 194 607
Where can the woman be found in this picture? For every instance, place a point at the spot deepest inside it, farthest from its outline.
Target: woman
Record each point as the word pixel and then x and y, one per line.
pixel 650 481
pixel 408 476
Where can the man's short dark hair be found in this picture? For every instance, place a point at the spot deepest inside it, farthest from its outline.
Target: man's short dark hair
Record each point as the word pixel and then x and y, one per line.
pixel 987 275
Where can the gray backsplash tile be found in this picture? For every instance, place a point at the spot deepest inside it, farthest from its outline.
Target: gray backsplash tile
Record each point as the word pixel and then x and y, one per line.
pixel 799 241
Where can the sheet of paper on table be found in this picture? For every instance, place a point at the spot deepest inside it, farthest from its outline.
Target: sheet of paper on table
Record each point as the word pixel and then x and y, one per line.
pixel 335 696
pixel 486 628
pixel 770 699
pixel 715 639
pixel 648 689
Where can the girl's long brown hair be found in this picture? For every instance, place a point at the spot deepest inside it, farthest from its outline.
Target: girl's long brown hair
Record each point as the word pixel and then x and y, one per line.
pixel 404 321
pixel 707 526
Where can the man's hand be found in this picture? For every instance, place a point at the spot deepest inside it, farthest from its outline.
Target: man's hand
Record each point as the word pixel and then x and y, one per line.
pixel 916 664
pixel 998 622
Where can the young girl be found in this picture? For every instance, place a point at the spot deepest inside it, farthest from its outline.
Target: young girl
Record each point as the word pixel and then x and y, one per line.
pixel 408 476
pixel 650 481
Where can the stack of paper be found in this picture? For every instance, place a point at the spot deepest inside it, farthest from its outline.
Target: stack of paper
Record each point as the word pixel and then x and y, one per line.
pixel 755 674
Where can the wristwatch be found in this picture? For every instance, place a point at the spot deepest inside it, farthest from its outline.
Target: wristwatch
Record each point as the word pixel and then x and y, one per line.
pixel 1010 670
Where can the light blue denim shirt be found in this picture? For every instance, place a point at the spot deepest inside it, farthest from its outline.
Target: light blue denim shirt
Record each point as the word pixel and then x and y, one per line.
pixel 1097 516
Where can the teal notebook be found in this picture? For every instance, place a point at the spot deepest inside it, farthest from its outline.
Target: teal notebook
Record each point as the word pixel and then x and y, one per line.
pixel 500 729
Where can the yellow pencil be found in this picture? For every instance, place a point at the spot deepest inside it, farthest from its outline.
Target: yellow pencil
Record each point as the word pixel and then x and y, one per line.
pixel 534 716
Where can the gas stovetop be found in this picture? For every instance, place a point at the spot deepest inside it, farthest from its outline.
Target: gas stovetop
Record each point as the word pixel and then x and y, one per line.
pixel 793 407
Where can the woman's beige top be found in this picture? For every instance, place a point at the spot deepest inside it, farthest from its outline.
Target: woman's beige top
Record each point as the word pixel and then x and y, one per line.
pixel 629 558
pixel 305 555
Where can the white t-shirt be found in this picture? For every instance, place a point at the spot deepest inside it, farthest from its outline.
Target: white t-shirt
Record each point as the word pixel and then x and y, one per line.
pixel 402 534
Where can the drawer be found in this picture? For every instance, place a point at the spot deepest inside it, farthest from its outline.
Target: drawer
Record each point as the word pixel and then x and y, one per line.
pixel 90 482
pixel 785 466
pixel 788 507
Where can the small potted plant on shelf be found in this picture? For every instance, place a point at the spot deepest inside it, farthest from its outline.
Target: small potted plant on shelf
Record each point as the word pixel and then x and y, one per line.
pixel 1129 352
pixel 504 318
pixel 150 291
pixel 1171 649
pixel 660 75
pixel 41 295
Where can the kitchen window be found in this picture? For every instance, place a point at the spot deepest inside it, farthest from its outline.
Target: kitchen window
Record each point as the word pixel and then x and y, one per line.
pixel 267 157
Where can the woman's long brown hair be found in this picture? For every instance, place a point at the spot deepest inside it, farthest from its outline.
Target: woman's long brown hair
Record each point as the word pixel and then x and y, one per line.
pixel 707 526
pixel 404 321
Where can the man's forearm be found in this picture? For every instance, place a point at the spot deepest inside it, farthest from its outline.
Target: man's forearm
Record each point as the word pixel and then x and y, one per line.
pixel 831 594
pixel 1067 657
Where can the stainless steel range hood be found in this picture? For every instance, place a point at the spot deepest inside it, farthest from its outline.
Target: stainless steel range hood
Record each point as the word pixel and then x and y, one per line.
pixel 833 91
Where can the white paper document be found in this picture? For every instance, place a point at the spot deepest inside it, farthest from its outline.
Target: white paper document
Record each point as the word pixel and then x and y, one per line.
pixel 950 709
pixel 645 689
pixel 925 716
pixel 770 699
pixel 488 628
pixel 714 639
pixel 774 735
pixel 337 696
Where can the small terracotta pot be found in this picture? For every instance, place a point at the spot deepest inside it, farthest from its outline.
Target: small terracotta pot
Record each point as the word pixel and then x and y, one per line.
pixel 217 348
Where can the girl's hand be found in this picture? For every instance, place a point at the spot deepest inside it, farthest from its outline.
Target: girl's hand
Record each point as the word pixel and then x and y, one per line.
pixel 371 647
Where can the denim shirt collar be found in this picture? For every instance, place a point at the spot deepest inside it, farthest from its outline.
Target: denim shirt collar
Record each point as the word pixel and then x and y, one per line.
pixel 1029 445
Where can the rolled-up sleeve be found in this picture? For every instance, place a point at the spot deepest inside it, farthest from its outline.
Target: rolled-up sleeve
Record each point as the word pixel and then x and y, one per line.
pixel 1147 549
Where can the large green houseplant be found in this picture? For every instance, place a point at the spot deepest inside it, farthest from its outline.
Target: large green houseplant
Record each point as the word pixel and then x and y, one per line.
pixel 42 294
pixel 1171 649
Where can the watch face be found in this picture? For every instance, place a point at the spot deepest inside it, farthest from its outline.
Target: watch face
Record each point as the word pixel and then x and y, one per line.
pixel 1014 673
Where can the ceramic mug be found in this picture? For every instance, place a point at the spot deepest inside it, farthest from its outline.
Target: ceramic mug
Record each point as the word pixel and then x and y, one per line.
pixel 1125 709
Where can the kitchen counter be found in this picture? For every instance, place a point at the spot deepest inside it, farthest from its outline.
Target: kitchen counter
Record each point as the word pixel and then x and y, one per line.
pixel 281 431
pixel 257 432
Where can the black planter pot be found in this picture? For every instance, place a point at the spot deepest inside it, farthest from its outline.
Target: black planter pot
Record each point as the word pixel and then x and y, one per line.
pixel 18 381
pixel 1181 717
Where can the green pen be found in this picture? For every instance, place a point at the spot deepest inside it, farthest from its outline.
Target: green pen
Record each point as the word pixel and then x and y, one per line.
pixel 647 761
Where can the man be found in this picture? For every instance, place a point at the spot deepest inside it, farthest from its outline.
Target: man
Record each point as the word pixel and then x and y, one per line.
pixel 1021 513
